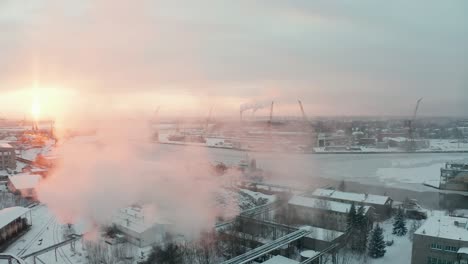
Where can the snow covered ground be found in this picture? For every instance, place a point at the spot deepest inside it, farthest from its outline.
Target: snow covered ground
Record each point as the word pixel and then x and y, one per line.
pixel 46 231
pixel 31 153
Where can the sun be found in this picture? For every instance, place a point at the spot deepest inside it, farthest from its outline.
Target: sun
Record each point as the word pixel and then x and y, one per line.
pixel 36 108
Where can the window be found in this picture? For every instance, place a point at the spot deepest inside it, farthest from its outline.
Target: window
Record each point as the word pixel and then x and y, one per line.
pixel 431 260
pixel 436 246
pixel 451 249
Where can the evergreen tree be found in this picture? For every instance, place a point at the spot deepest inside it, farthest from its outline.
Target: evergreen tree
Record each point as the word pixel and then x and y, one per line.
pixel 170 254
pixel 351 220
pixel 399 224
pixel 362 228
pixel 377 243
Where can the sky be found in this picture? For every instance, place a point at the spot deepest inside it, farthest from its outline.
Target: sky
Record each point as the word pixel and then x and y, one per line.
pixel 338 57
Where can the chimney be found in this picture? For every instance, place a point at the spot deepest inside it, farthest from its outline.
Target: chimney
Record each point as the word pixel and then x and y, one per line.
pixel 128 222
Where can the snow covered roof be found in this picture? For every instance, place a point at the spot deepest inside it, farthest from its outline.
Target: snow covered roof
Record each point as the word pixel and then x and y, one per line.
pixel 463 250
pixel 322 204
pixel 353 197
pixel 280 260
pixel 24 181
pixel 323 234
pixel 309 253
pixel 447 227
pixel 9 214
pixel 136 219
pixel 10 138
pixel 5 145
pixel 397 139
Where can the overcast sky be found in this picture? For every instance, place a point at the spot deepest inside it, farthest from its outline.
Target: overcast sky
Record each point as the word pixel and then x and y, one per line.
pixel 339 57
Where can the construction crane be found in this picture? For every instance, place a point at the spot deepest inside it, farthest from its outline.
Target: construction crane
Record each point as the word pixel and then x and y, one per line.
pixel 411 146
pixel 208 120
pixel 271 112
pixel 304 117
pixel 306 124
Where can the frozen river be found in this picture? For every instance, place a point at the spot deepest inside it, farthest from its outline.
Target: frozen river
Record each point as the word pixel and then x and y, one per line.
pixel 399 173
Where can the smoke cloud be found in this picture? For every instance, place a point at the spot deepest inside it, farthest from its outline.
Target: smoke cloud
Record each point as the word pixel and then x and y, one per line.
pixel 98 175
pixel 254 106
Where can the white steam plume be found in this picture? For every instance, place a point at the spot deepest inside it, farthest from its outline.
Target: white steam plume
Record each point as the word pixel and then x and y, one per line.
pixel 120 167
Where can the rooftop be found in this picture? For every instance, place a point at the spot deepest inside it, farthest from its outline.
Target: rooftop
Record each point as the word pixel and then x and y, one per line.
pixel 280 260
pixel 353 197
pixel 309 253
pixel 24 181
pixel 9 214
pixel 323 234
pixel 322 204
pixel 447 227
pixel 136 219
pixel 5 146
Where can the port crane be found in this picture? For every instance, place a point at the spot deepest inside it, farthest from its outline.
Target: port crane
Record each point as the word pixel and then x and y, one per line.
pixel 306 122
pixel 411 146
pixel 271 112
pixel 304 117
pixel 207 121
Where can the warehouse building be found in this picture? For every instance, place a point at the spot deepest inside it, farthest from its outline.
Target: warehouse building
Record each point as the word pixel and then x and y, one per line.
pixel 13 223
pixel 24 184
pixel 7 157
pixel 454 176
pixel 321 213
pixel 382 205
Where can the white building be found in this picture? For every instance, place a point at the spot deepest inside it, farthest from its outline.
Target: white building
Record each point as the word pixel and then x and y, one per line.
pixel 381 204
pixel 140 226
pixel 321 213
pixel 24 183
pixel 441 239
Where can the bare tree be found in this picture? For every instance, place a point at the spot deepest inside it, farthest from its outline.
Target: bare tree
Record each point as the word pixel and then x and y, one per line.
pixel 415 224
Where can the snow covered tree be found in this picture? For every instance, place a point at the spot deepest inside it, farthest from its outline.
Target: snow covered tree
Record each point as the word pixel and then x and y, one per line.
pixel 399 224
pixel 377 244
pixel 358 228
pixel 362 226
pixel 351 217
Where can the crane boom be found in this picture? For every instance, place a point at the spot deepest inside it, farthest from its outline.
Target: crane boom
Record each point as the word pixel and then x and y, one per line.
pixel 208 119
pixel 271 111
pixel 416 108
pixel 411 146
pixel 304 117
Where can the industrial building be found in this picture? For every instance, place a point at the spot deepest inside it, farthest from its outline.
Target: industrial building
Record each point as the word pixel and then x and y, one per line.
pixel 24 184
pixel 140 230
pixel 454 176
pixel 7 157
pixel 441 239
pixel 382 205
pixel 321 213
pixel 13 222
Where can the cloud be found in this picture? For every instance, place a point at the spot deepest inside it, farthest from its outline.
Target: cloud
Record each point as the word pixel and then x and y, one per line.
pixel 324 52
